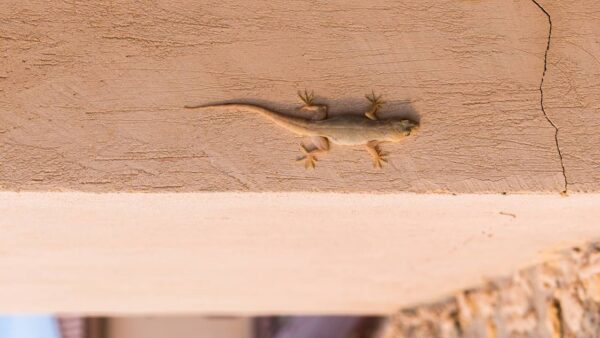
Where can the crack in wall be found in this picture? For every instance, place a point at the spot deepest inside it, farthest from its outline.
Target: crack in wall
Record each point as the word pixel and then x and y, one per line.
pixel 542 96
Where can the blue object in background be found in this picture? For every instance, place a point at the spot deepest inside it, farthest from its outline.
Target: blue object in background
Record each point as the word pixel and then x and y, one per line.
pixel 29 327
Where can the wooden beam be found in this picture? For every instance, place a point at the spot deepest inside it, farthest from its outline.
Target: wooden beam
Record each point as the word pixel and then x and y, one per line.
pixel 250 253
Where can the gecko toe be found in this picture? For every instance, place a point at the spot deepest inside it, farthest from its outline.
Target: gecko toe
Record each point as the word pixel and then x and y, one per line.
pixel 307 97
pixel 309 161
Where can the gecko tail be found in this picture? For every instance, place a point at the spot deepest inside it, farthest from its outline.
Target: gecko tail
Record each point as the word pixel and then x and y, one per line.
pixel 225 105
pixel 189 106
pixel 297 125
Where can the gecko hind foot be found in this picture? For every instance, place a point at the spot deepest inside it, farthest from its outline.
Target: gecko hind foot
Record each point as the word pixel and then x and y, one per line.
pixel 376 104
pixel 310 161
pixel 309 158
pixel 316 111
pixel 307 97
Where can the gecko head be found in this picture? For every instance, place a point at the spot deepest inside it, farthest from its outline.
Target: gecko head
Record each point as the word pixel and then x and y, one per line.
pixel 403 128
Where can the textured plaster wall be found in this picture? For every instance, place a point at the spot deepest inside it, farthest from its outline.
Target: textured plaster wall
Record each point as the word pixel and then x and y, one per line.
pixel 91 94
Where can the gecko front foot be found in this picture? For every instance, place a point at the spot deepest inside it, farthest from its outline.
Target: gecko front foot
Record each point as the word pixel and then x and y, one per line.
pixel 377 155
pixel 376 104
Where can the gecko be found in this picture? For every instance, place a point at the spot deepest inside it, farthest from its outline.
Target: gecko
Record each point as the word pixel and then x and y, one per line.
pixel 346 130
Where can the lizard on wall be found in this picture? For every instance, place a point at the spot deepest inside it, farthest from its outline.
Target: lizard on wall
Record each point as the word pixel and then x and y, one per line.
pixel 367 130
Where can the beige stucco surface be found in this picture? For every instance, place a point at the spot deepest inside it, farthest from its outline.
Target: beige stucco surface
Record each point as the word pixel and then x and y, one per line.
pixel 572 88
pixel 228 253
pixel 91 94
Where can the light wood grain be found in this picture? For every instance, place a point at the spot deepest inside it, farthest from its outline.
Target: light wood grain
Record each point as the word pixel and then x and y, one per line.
pixel 267 253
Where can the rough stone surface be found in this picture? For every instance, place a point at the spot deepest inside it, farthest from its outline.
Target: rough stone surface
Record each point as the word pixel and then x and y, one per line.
pixel 556 299
pixel 91 94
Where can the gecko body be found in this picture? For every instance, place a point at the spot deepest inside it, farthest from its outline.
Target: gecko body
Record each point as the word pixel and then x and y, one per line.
pixel 346 130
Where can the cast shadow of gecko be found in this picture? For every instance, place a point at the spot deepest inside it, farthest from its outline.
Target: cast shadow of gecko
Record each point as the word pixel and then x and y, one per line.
pixel 346 125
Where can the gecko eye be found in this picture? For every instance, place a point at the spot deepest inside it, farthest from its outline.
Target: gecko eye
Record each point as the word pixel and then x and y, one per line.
pixel 410 126
pixel 405 127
